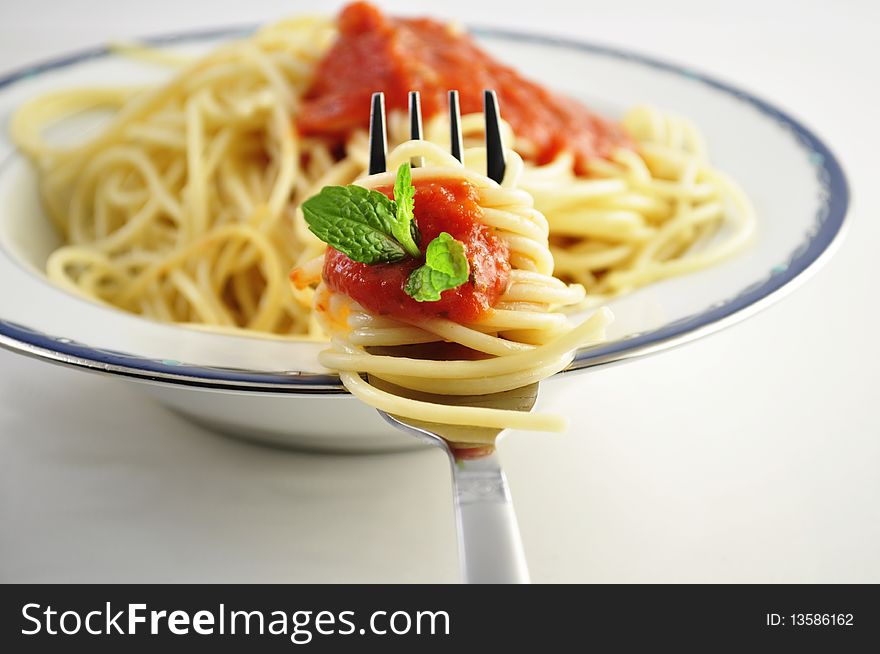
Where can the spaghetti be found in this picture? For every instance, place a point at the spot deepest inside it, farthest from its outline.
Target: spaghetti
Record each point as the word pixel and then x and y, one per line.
pixel 516 342
pixel 184 208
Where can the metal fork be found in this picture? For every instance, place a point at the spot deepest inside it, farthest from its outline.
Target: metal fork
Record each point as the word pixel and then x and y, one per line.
pixel 489 543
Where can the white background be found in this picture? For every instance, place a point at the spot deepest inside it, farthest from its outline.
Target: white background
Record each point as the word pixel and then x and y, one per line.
pixel 751 456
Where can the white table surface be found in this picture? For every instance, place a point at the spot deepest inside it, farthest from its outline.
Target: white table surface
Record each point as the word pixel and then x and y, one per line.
pixel 750 456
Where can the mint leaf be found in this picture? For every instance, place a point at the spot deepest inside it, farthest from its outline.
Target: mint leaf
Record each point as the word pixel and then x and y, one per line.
pixel 358 222
pixel 446 255
pixel 446 267
pixel 365 225
pixel 404 229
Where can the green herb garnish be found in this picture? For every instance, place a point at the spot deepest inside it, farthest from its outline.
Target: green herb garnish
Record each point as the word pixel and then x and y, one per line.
pixel 446 267
pixel 370 228
pixel 404 229
pixel 366 225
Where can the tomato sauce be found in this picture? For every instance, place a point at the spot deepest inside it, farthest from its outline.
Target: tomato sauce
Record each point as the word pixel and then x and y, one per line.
pixel 375 52
pixel 440 206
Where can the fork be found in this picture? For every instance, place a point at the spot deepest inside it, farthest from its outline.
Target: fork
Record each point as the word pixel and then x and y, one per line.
pixel 489 543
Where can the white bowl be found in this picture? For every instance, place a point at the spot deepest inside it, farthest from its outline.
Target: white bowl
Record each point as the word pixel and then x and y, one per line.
pixel 274 390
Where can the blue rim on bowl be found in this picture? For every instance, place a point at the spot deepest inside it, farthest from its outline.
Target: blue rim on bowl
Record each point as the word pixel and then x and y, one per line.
pixel 819 244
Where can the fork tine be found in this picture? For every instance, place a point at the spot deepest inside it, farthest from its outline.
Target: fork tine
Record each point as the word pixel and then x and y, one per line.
pixel 415 124
pixel 378 136
pixel 495 164
pixel 415 116
pixel 457 145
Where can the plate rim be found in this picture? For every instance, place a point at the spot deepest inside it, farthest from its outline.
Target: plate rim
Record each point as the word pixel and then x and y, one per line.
pixel 831 221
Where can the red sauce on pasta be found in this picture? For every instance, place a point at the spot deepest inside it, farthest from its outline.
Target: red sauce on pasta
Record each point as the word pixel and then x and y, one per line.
pixel 440 206
pixel 375 52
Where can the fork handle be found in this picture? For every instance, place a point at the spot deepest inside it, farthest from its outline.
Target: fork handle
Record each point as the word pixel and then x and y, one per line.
pixel 489 543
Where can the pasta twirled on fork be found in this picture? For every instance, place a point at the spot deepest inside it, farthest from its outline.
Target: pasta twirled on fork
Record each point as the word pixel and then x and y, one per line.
pixel 512 340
